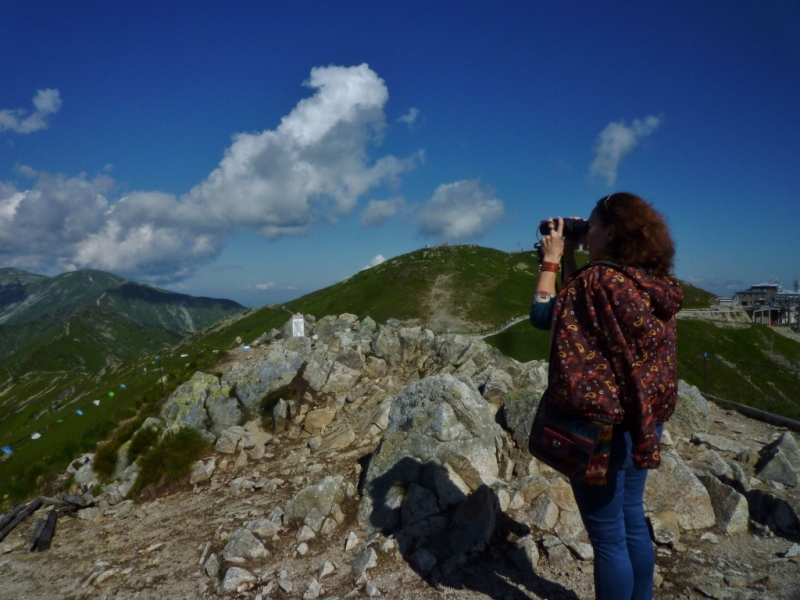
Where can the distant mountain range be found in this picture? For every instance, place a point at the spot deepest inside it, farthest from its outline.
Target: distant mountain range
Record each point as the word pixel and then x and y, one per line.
pixel 88 320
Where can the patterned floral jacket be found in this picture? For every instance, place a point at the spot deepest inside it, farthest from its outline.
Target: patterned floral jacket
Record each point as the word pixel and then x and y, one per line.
pixel 613 351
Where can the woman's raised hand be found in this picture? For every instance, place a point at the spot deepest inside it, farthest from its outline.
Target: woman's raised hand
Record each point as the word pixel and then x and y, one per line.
pixel 553 242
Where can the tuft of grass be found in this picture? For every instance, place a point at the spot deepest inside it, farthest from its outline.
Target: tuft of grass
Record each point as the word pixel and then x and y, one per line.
pixel 67 484
pixel 105 458
pixel 170 462
pixel 142 441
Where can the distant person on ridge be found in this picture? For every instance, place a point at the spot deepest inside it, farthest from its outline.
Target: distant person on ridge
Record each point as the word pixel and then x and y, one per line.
pixel 613 359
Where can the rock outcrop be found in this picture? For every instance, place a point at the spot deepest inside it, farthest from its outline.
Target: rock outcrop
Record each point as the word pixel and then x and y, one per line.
pixel 397 455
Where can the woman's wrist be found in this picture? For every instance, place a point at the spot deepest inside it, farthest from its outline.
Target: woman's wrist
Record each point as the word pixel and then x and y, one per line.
pixel 555 258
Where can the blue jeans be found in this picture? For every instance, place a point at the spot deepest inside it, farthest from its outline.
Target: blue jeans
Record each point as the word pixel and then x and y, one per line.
pixel 613 515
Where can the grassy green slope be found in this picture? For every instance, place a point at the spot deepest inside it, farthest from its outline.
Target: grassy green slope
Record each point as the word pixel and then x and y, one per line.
pixel 87 320
pixel 481 286
pixel 37 401
pixel 694 297
pixel 87 339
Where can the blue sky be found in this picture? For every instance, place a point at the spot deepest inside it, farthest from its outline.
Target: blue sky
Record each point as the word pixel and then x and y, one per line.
pixel 259 151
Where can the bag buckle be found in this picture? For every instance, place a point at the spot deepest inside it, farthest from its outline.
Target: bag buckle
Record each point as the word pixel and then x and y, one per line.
pixel 559 444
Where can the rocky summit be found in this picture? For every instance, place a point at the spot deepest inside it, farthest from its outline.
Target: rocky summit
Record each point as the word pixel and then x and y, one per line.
pixel 393 463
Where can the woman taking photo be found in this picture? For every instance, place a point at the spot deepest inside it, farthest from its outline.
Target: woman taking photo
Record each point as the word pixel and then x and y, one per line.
pixel 612 359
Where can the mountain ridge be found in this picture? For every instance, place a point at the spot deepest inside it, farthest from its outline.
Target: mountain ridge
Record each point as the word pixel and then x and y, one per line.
pixel 131 318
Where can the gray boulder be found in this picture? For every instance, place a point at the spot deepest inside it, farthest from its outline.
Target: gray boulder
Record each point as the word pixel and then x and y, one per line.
pixel 280 415
pixel 438 420
pixel 418 503
pixel 787 444
pixel 441 418
pixel 495 384
pixel 409 341
pixel 718 442
pixel 674 487
pixel 229 439
pixel 243 544
pixel 777 468
pixel 341 379
pixel 350 358
pixel 263 528
pixel 730 507
pixel 531 374
pixel 202 471
pixel 780 461
pixel 273 371
pixel 526 555
pixel 519 410
pixel 123 461
pixel 234 577
pixel 222 408
pixel 387 344
pixel 691 412
pixel 317 371
pixel 365 559
pixel 474 521
pixel 375 367
pixel 422 561
pixel 664 527
pixel 320 496
pixel 435 477
pixel 186 406
pixel 327 327
pixel 211 566
pixel 301 345
pixel 544 513
pixel 480 354
pixel 337 440
pixel 451 347
pixel 86 476
pixel 709 461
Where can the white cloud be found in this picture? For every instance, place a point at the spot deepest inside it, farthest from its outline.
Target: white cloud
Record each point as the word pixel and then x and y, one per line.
pixel 26 171
pixel 378 259
pixel 377 211
pixel 460 210
pixel 278 180
pixel 46 102
pixel 615 142
pixel 314 165
pixel 410 117
pixel 265 286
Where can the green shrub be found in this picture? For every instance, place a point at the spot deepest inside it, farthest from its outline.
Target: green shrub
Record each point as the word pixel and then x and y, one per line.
pixel 141 442
pixel 19 486
pixel 105 459
pixel 67 483
pixel 170 462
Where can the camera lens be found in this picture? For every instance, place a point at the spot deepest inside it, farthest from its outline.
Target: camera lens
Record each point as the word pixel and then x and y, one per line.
pixel 573 228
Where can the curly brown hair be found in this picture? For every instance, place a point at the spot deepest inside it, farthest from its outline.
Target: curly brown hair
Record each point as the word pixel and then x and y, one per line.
pixel 639 236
